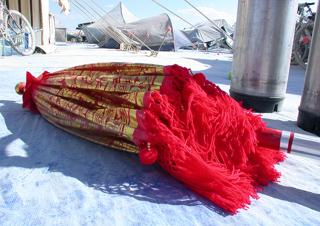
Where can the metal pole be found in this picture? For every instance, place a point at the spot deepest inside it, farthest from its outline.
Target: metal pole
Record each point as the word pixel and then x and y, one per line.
pixel 309 109
pixel 262 52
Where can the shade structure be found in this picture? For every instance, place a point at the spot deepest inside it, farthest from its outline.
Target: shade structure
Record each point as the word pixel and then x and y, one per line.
pixel 188 125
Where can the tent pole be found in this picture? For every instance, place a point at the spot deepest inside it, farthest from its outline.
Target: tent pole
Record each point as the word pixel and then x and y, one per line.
pixel 169 29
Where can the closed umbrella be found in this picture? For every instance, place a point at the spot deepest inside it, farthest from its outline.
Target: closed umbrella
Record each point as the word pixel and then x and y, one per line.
pixel 185 123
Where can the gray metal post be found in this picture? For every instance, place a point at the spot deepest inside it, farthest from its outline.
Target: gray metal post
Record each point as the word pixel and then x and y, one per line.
pixel 309 109
pixel 262 53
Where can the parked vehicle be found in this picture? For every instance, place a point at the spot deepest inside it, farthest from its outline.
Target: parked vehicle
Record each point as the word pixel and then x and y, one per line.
pixel 73 38
pixel 84 38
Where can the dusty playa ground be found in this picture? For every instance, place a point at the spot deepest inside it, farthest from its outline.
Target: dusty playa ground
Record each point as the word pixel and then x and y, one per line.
pixel 50 177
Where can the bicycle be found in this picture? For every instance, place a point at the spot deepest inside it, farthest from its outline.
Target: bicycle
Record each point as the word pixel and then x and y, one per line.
pixel 303 35
pixel 17 31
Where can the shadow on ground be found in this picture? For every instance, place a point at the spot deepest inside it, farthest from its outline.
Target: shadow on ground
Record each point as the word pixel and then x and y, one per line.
pixel 107 170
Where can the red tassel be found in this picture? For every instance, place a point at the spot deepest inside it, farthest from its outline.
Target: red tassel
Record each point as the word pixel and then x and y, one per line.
pixel 205 139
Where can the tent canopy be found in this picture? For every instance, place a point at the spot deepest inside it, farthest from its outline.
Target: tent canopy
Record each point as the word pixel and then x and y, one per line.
pixel 121 14
pixel 205 30
pixel 118 16
pixel 157 29
pixel 105 31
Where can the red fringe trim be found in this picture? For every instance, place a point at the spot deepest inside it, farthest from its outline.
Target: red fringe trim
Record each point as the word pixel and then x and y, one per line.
pixel 205 139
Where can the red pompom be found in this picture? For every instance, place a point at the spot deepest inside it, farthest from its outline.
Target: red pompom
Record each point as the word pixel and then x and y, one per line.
pixel 169 29
pixel 148 156
pixel 200 78
pixel 305 40
pixel 129 34
pixel 133 32
pixel 147 35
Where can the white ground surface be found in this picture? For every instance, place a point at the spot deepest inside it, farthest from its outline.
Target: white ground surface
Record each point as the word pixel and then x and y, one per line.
pixel 50 177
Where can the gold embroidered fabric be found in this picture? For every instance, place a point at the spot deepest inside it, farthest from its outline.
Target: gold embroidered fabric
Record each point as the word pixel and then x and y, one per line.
pixel 97 102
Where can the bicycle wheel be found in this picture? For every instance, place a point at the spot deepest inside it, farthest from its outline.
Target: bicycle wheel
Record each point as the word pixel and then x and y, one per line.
pixel 20 34
pixel 293 60
pixel 302 44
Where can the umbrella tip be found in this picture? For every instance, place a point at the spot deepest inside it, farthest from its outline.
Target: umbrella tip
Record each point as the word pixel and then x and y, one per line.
pixel 20 88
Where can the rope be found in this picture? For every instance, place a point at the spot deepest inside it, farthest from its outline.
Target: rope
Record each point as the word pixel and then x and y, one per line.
pixel 112 33
pixel 100 28
pixel 128 44
pixel 133 35
pixel 86 19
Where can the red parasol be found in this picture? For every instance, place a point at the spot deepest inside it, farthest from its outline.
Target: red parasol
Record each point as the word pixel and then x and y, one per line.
pixel 188 125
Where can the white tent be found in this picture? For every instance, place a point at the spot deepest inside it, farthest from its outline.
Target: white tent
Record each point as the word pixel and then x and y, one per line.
pixel 157 29
pixel 121 14
pixel 116 17
pixel 120 23
pixel 205 31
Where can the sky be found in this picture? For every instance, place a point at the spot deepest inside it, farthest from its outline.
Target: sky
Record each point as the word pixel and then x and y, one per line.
pixel 147 8
pixel 214 9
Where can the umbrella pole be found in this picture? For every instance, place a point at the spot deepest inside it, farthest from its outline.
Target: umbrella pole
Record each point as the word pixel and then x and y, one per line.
pixel 289 142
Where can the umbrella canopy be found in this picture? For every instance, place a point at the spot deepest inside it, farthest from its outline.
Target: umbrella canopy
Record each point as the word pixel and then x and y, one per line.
pixel 185 123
